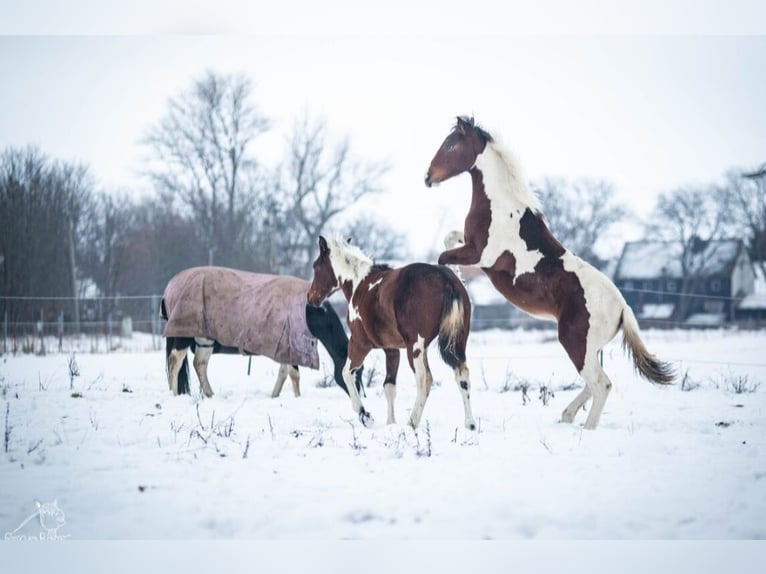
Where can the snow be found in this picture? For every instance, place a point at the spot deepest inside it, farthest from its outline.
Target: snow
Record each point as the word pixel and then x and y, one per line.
pixel 125 460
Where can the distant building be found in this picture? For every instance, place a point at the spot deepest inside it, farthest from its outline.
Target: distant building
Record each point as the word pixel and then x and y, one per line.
pixel 650 276
pixel 752 309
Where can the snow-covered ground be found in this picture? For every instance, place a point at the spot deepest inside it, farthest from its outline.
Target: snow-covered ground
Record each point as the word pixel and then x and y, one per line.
pixel 121 458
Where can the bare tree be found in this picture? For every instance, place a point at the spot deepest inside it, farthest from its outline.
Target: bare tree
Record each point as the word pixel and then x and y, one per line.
pixel 581 213
pixel 376 238
pixel 41 206
pixel 319 181
pixel 745 196
pixel 202 154
pixel 108 233
pixel 692 217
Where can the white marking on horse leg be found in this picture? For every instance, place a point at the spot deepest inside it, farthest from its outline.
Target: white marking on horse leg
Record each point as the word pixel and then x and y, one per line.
pixel 421 380
pixel 281 377
pixel 356 401
pixel 577 403
pixel 600 385
pixel 175 360
pixel 295 379
pixel 463 380
pixel 201 357
pixel 390 390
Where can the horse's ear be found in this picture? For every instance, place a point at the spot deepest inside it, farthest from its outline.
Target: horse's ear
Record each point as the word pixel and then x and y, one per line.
pixel 323 246
pixel 464 124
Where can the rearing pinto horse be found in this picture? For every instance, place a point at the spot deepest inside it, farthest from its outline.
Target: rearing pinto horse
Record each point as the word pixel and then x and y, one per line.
pixel 390 309
pixel 505 234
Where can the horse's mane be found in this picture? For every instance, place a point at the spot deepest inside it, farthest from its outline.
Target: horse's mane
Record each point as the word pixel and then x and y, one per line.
pixel 348 260
pixel 485 136
pixel 517 181
pixel 378 267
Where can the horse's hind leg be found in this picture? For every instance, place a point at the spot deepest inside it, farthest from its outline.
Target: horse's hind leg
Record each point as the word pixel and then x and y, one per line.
pixel 295 379
pixel 463 380
pixel 202 354
pixel 577 339
pixel 419 363
pixel 599 384
pixel 389 385
pixel 577 403
pixel 281 378
pixel 176 359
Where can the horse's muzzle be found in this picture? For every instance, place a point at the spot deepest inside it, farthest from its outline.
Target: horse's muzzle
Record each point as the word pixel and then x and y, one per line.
pixel 430 180
pixel 313 299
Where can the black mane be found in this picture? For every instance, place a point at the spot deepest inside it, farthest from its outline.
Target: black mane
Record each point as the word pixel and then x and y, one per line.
pixel 485 136
pixel 379 267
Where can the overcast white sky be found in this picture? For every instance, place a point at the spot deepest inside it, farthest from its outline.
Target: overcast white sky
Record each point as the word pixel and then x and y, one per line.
pixel 646 112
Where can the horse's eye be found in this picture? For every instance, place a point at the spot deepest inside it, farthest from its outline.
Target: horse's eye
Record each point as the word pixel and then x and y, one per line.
pixel 450 147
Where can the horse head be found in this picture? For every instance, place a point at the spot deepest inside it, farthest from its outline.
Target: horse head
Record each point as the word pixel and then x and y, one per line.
pixel 457 152
pixel 325 280
pixel 340 265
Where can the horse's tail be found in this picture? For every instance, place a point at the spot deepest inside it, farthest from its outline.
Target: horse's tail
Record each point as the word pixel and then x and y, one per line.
pixel 455 324
pixel 183 373
pixel 649 366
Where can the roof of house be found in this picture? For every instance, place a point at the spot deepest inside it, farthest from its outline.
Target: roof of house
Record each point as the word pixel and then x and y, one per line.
pixel 654 259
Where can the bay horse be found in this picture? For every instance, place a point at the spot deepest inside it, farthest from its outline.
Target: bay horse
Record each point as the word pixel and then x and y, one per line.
pixel 390 309
pixel 219 310
pixel 506 235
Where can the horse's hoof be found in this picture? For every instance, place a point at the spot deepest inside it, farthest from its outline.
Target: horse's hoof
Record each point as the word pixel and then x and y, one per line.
pixel 366 419
pixel 470 426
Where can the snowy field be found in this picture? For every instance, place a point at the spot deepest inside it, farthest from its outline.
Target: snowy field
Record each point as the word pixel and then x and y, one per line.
pixel 122 459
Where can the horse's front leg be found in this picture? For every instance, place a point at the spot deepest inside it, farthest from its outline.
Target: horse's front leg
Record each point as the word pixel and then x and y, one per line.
pixel 389 385
pixel 464 254
pixel 356 355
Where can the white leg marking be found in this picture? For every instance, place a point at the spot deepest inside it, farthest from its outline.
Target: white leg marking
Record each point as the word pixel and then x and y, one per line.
pixel 201 357
pixel 463 380
pixel 423 381
pixel 577 403
pixel 281 377
pixel 175 360
pixel 356 402
pixel 390 391
pixel 295 379
pixel 599 384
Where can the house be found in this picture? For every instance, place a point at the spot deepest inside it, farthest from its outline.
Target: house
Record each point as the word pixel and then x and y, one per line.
pixel 752 309
pixel 719 275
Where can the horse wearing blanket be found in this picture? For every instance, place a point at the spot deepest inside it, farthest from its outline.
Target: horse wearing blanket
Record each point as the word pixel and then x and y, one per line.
pixel 220 310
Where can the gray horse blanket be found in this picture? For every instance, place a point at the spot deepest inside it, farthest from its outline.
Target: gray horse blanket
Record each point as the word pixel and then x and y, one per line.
pixel 254 313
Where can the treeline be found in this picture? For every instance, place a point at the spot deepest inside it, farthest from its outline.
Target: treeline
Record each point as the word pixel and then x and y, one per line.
pixel 212 201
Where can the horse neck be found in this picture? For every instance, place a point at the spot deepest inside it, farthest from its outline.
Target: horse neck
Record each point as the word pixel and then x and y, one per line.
pixel 351 273
pixel 502 179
